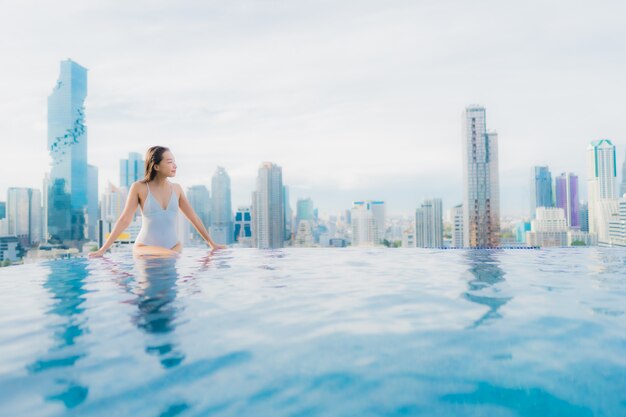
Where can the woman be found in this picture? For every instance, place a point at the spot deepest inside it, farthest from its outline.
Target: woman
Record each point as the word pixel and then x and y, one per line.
pixel 159 200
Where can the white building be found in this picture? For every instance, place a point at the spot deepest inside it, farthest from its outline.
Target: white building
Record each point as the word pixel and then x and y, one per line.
pixel 601 187
pixel 549 228
pixel 408 238
pixel 221 208
pixel 268 210
pixel 617 226
pixel 429 224
pixel 24 215
pixel 456 216
pixel 365 230
pixel 304 235
pixel 379 212
pixel 481 190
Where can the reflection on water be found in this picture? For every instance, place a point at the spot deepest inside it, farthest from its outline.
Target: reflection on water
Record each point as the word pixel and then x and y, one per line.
pixel 66 285
pixel 486 274
pixel 155 288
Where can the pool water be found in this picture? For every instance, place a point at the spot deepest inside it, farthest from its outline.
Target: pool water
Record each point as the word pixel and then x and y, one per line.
pixel 317 332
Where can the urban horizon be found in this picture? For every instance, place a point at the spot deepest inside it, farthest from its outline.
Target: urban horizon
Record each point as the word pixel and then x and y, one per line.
pixel 412 190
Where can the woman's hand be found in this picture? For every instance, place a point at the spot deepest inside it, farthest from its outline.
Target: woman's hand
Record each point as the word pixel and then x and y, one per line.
pixel 216 246
pixel 97 254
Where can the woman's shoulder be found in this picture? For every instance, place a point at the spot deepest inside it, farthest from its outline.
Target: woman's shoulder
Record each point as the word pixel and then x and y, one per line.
pixel 178 188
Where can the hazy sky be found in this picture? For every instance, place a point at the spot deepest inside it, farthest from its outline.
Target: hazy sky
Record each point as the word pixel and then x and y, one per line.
pixel 354 99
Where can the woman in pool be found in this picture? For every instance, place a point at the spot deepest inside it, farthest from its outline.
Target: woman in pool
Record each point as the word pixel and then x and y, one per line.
pixel 159 200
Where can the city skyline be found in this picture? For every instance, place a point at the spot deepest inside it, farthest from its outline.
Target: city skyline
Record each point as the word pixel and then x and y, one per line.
pixel 264 96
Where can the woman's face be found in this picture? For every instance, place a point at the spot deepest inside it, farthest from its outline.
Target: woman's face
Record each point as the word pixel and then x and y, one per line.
pixel 167 166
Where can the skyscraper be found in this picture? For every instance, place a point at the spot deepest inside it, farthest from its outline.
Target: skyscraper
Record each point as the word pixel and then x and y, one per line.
pixel 268 216
pixel 379 211
pixel 67 144
pixel 601 187
pixel 289 228
pixel 481 195
pixel 3 210
pixel 200 200
pixel 429 224
pixel 549 228
pixel 221 208
pixel 584 217
pixel 457 226
pixel 24 215
pixel 622 189
pixel 365 230
pixel 540 188
pixel 566 188
pixel 304 210
pixel 131 169
pixel 93 211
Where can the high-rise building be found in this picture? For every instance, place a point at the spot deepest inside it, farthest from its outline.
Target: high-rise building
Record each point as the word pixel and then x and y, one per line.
pixel 549 228
pixel 200 200
pixel 221 208
pixel 481 195
pixel 365 230
pixel 456 216
pixel 3 210
pixel 243 224
pixel 584 217
pixel 268 217
pixel 617 226
pixel 540 188
pixel 566 187
pixel 289 228
pixel 429 224
pixel 67 143
pixel 622 189
pixel 379 211
pixel 24 215
pixel 92 202
pixel 131 169
pixel 304 235
pixel 304 210
pixel 601 187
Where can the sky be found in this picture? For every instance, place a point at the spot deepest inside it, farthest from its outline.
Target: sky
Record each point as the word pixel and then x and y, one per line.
pixel 354 99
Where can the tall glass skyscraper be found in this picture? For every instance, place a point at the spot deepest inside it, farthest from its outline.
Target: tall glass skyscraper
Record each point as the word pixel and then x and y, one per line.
pixel 540 189
pixel 67 143
pixel 131 169
pixel 268 208
pixel 481 191
pixel 566 187
pixel 429 224
pixel 221 208
pixel 601 187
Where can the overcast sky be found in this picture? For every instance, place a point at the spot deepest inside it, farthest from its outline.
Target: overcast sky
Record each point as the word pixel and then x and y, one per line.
pixel 355 99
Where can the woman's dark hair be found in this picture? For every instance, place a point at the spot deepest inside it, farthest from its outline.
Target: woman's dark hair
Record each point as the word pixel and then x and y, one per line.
pixel 154 156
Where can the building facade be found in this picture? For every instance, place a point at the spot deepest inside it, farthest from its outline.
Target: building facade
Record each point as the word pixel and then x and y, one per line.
pixel 68 185
pixel 221 208
pixel 24 215
pixel 540 188
pixel 566 190
pixel 200 200
pixel 131 169
pixel 429 224
pixel 481 202
pixel 601 187
pixel 268 217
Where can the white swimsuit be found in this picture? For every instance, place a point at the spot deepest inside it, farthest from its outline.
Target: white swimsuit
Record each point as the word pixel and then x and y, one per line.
pixel 158 225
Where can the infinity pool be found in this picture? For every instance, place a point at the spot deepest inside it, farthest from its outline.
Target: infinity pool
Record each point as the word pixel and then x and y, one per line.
pixel 317 332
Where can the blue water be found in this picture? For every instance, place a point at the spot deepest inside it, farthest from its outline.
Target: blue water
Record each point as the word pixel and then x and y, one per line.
pixel 317 332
